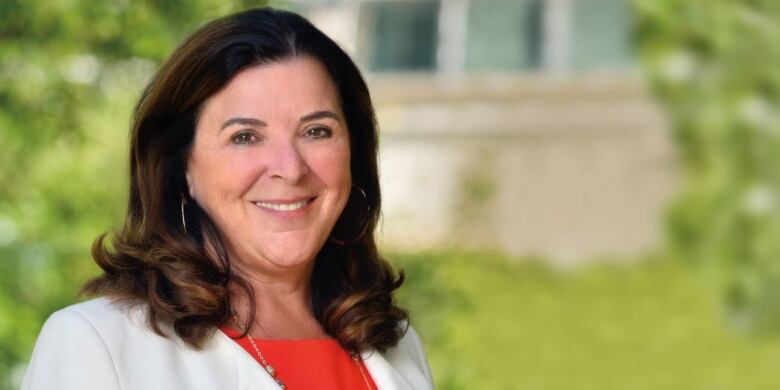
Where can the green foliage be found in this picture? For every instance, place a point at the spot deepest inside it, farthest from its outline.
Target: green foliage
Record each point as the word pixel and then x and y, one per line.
pixel 714 66
pixel 491 322
pixel 70 72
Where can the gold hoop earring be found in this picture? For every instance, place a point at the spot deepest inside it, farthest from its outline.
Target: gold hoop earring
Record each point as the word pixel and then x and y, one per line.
pixel 365 224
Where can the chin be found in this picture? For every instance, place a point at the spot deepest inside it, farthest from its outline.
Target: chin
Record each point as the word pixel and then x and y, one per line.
pixel 290 256
pixel 280 250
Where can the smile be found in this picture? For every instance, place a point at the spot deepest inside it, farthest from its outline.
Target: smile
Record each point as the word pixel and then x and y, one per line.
pixel 281 206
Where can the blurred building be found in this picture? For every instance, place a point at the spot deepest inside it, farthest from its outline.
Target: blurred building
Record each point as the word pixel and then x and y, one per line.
pixel 521 125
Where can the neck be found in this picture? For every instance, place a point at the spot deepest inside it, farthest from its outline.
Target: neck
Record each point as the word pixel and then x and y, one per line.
pixel 291 291
pixel 282 306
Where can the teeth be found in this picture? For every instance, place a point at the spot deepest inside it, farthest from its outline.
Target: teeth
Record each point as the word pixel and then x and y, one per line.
pixel 282 206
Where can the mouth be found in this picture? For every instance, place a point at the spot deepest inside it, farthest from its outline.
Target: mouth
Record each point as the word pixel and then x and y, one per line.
pixel 285 205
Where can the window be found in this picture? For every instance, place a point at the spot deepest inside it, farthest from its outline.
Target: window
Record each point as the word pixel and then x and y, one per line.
pixel 503 34
pixel 485 35
pixel 601 34
pixel 403 34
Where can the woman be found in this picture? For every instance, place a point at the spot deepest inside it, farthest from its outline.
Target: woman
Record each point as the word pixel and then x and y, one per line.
pixel 247 257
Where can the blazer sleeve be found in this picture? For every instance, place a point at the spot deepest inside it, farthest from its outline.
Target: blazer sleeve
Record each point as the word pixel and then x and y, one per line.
pixel 70 355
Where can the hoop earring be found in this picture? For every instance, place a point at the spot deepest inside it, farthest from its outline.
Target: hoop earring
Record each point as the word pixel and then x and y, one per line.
pixel 183 220
pixel 365 224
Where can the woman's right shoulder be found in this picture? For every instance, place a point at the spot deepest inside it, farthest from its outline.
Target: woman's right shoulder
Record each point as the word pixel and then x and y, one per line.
pixel 75 340
pixel 101 315
pixel 102 344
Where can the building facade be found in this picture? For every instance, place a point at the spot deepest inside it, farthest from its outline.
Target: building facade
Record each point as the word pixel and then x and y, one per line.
pixel 519 125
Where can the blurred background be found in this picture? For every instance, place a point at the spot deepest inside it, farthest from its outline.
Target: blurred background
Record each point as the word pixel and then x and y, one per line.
pixel 583 193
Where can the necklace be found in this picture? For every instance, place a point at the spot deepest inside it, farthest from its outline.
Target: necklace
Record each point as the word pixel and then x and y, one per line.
pixel 272 371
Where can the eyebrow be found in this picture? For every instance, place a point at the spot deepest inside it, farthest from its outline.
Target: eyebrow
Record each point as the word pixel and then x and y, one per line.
pixel 243 121
pixel 320 115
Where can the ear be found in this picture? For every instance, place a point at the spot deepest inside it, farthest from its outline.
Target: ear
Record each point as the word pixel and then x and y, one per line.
pixel 190 187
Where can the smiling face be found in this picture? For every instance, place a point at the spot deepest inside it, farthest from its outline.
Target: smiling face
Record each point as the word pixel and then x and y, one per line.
pixel 270 163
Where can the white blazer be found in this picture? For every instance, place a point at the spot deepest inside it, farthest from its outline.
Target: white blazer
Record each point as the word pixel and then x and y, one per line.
pixel 97 345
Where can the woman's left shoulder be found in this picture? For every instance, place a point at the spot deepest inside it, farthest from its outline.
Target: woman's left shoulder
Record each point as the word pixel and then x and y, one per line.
pixel 408 357
pixel 410 343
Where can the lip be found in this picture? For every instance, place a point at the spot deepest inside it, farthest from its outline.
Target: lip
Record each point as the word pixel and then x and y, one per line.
pixel 285 201
pixel 286 214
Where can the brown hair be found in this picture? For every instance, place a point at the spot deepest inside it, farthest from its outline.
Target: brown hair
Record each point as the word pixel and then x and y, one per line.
pixel 154 260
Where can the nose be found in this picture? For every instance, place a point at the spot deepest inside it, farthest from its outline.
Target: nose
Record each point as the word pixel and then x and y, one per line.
pixel 287 162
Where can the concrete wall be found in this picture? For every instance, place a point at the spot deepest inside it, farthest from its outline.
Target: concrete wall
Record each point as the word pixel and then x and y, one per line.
pixel 572 168
pixel 568 165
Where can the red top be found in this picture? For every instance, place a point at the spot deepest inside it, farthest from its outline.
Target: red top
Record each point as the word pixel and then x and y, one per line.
pixel 309 363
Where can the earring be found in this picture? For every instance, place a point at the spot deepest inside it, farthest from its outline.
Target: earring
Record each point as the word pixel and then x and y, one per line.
pixel 183 220
pixel 365 224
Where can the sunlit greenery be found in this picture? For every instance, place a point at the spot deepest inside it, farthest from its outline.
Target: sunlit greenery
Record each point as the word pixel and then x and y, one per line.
pixel 492 322
pixel 714 66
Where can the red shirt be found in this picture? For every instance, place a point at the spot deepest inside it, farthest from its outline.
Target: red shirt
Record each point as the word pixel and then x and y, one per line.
pixel 309 363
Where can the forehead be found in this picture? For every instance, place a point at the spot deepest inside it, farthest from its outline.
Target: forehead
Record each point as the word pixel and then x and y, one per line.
pixel 299 84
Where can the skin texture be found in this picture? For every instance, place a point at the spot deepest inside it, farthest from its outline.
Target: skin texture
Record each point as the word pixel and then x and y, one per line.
pixel 290 144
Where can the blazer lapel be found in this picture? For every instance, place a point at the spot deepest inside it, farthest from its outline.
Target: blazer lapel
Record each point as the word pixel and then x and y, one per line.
pixel 259 378
pixel 251 374
pixel 385 376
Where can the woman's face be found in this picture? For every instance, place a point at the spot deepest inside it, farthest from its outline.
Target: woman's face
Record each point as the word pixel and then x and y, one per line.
pixel 270 163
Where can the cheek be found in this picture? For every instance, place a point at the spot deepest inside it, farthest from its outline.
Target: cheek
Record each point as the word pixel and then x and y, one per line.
pixel 332 166
pixel 219 177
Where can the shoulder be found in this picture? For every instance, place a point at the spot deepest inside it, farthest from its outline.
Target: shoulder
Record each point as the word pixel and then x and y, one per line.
pixel 100 318
pixel 410 343
pixel 90 319
pixel 106 315
pixel 97 307
pixel 100 340
pixel 408 357
pixel 99 313
pixel 68 345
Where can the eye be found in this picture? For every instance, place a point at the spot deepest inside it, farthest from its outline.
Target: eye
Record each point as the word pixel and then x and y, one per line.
pixel 318 132
pixel 244 138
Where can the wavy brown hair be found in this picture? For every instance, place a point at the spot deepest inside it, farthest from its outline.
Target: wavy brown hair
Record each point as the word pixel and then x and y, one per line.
pixel 154 260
